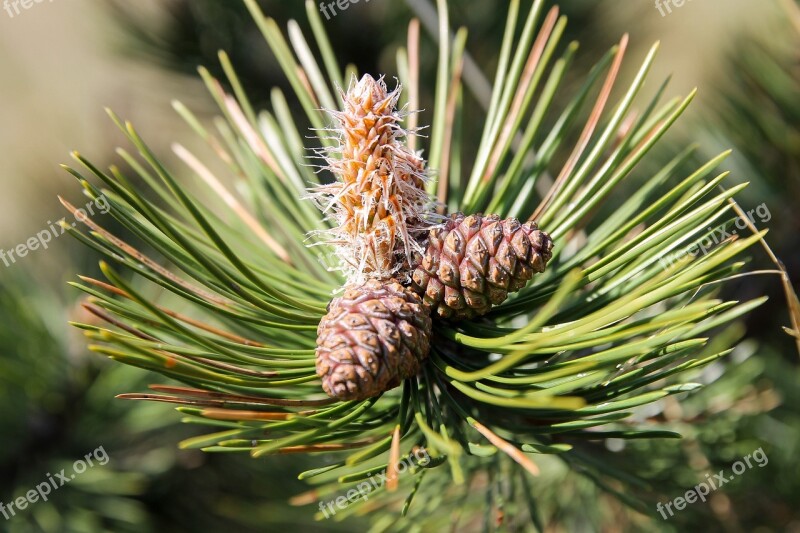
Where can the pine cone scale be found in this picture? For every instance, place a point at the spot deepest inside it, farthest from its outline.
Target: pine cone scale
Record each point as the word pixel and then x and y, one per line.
pixel 475 261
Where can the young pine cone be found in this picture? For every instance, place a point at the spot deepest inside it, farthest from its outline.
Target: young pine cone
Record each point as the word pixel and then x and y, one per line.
pixel 378 202
pixel 474 261
pixel 374 336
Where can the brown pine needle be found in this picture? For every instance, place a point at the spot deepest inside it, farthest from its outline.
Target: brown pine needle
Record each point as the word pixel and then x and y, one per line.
pixel 394 459
pixel 525 80
pixel 199 393
pixel 100 313
pixel 201 170
pixel 254 140
pixel 792 302
pixel 506 447
pixel 447 141
pixel 301 74
pixel 141 258
pixel 306 498
pixel 192 322
pixel 588 130
pixel 233 414
pixel 413 82
pixel 234 368
pixel 171 399
pixel 316 448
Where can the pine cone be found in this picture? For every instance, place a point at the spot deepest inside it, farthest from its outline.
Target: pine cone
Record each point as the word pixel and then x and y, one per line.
pixel 474 261
pixel 378 202
pixel 373 337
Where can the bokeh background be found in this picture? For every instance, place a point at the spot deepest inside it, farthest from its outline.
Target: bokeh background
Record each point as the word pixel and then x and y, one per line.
pixel 63 61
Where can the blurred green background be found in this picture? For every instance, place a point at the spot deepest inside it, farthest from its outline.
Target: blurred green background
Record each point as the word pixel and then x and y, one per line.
pixel 62 62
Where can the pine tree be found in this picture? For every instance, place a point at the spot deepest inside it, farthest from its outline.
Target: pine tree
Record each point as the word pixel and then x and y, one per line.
pixel 621 317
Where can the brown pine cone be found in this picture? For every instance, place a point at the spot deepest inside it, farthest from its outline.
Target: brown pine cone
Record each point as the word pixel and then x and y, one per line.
pixel 474 261
pixel 373 337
